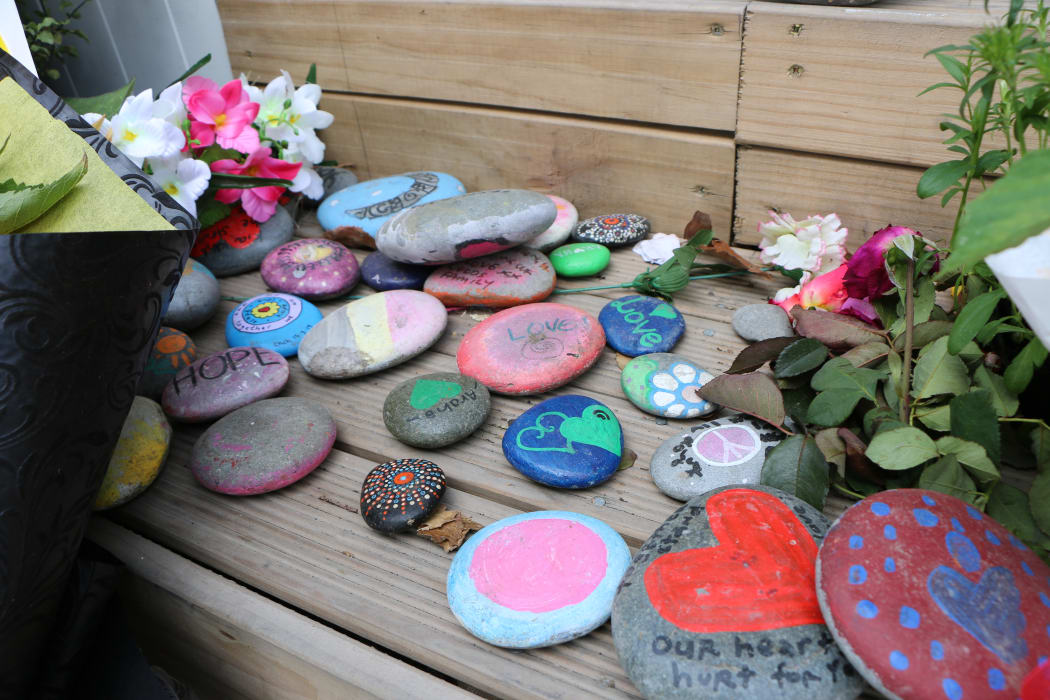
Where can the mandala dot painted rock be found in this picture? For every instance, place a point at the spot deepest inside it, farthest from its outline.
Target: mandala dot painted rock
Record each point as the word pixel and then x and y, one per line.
pixel 196 298
pixel 383 274
pixel 311 268
pixel 238 244
pixel 932 599
pixel 637 325
pixel 436 409
pixel 613 229
pixel 172 351
pixel 510 278
pixel 399 494
pixel 275 321
pixel 138 457
pixel 580 259
pixel 571 442
pixel 720 602
pixel 665 384
pixel 531 349
pixel 537 579
pixel 215 385
pixel 559 231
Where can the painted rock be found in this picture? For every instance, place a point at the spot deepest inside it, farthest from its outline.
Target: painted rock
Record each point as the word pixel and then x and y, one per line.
pixel 613 229
pixel 383 274
pixel 756 322
pixel 312 268
pixel 138 457
pixel 572 442
pixel 172 351
pixel 559 231
pixel 436 409
pixel 930 598
pixel 637 325
pixel 531 349
pixel 399 494
pixel 335 179
pixel 215 385
pixel 468 226
pixel 263 447
pixel 238 244
pixel 373 333
pixel 275 321
pixel 196 298
pixel 510 278
pixel 722 452
pixel 368 205
pixel 720 602
pixel 580 259
pixel 665 384
pixel 537 579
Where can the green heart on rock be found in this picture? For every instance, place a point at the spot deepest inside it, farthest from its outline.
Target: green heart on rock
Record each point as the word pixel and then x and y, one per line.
pixel 664 311
pixel 428 392
pixel 597 426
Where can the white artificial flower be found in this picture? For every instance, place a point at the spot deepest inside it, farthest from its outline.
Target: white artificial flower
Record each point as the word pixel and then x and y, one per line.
pixel 169 105
pixel 814 245
pixel 786 293
pixel 272 103
pixel 137 132
pixel 185 179
pixel 306 181
pixel 658 249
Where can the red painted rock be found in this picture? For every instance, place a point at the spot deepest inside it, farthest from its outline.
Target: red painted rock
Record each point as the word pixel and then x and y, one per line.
pixel 312 268
pixel 531 349
pixel 510 278
pixel 215 385
pixel 932 599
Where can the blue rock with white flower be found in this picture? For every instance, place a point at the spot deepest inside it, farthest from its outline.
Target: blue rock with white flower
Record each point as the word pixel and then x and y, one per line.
pixel 665 384
pixel 275 321
pixel 383 274
pixel 570 442
pixel 638 325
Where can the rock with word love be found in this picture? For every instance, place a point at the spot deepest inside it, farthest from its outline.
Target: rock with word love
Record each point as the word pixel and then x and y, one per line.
pixel 383 274
pixel 215 385
pixel 571 442
pixel 613 229
pixel 138 457
pixel 637 325
pixel 311 268
pixel 720 602
pixel 275 321
pixel 172 351
pixel 580 259
pixel 519 276
pixel 531 349
pixel 665 384
pixel 196 298
pixel 400 494
pixel 238 244
pixel 931 598
pixel 436 409
pixel 537 579
pixel 559 231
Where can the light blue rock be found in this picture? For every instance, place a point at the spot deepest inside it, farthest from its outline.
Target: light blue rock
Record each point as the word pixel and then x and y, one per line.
pixel 369 204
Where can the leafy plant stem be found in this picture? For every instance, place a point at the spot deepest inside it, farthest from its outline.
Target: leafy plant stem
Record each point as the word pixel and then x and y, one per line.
pixel 846 492
pixel 909 339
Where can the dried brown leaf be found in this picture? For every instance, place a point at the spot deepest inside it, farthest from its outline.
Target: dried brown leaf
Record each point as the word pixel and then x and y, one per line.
pixel 699 222
pixel 724 252
pixel 448 528
pixel 627 460
pixel 622 360
pixel 837 331
pixel 757 354
pixel 857 461
pixel 351 236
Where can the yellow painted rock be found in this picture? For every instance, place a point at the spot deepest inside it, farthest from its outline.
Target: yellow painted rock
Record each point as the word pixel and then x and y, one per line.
pixel 139 455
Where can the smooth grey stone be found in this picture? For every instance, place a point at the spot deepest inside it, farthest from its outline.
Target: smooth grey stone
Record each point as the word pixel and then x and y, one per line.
pixel 196 298
pixel 756 322
pixel 225 260
pixel 335 179
pixel 436 409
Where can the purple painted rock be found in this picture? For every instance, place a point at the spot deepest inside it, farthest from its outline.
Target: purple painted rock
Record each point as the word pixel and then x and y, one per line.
pixel 510 278
pixel 932 599
pixel 263 446
pixel 311 268
pixel 212 387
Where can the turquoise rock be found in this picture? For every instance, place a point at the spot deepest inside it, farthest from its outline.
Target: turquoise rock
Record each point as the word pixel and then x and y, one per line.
pixel 369 204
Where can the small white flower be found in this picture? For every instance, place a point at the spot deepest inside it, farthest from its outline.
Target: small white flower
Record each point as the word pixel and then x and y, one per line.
pixel 307 181
pixel 786 293
pixel 137 132
pixel 814 245
pixel 185 179
pixel 169 105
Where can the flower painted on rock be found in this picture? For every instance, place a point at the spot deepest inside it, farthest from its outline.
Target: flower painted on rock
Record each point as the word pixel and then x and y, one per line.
pixel 675 391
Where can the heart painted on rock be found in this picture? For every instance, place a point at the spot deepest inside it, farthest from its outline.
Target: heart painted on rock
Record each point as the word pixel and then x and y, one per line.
pixel 428 392
pixel 759 577
pixel 990 610
pixel 664 311
pixel 597 426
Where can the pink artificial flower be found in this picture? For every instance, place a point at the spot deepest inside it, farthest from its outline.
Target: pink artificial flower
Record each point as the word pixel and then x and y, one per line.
pixel 823 292
pixel 222 115
pixel 258 202
pixel 867 277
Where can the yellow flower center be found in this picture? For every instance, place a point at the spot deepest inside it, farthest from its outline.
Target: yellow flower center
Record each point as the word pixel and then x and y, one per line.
pixel 130 135
pixel 220 119
pixel 293 119
pixel 171 188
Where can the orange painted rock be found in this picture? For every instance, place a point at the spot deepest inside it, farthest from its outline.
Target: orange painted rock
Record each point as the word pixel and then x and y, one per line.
pixel 138 457
pixel 510 278
pixel 172 351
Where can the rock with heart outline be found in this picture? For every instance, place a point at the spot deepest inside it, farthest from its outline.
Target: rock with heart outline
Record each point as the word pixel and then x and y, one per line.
pixel 436 410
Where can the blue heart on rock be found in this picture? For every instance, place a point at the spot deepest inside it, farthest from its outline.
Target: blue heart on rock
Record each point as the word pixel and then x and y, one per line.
pixel 990 610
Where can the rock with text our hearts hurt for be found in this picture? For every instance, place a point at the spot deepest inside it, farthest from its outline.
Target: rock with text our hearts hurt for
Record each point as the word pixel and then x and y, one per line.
pixel 720 602
pixel 510 278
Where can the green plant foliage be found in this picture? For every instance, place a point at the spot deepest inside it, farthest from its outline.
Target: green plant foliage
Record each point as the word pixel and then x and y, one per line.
pixel 947 476
pixel 901 448
pixel 1039 501
pixel 974 316
pixel 798 467
pixel 21 204
pixel 48 33
pixel 973 417
pixel 107 104
pixel 971 455
pixel 800 357
pixel 939 372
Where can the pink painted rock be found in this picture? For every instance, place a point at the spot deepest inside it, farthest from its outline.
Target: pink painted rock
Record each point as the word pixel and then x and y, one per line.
pixel 312 268
pixel 215 385
pixel 559 231
pixel 531 349
pixel 510 278
pixel 263 446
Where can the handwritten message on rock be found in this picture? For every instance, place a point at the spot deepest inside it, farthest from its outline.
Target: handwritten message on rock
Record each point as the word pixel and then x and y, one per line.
pixel 215 385
pixel 436 409
pixel 519 276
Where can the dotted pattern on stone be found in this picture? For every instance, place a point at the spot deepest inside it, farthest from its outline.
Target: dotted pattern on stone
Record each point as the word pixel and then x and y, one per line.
pixel 400 493
pixel 613 229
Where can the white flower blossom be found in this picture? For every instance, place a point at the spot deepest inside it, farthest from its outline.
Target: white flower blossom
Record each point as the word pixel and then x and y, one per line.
pixel 185 179
pixel 814 245
pixel 307 181
pixel 137 132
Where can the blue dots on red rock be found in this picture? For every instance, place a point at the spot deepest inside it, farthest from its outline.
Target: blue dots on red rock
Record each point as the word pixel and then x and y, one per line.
pixel 856 542
pixel 990 536
pixel 1044 599
pixel 867 609
pixel 909 618
pixel 880 509
pixel 857 574
pixel 924 517
pixel 963 551
pixel 889 565
pixel 936 650
pixel 952 690
pixel 974 513
pixel 996 679
pixel 957 525
pixel 889 532
pixel 899 661
pixel 928 501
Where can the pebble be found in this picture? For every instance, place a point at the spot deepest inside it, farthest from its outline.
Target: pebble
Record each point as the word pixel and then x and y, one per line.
pixel 215 385
pixel 138 457
pixel 196 298
pixel 468 226
pixel 264 446
pixel 371 334
pixel 238 244
pixel 710 455
pixel 537 579
pixel 311 268
pixel 436 410
pixel 531 349
pixel 400 494
pixel 665 384
pixel 571 442
pixel 275 321
pixel 756 322
pixel 637 325
pixel 559 231
pixel 720 602
pixel 510 278
pixel 613 229
pixel 383 274
pixel 334 179
pixel 580 259
pixel 930 598
pixel 172 351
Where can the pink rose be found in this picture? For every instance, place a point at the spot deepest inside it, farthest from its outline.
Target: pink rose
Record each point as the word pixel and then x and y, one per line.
pixel 823 292
pixel 867 277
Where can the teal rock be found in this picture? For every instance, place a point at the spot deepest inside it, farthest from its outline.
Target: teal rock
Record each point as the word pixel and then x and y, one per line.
pixel 370 204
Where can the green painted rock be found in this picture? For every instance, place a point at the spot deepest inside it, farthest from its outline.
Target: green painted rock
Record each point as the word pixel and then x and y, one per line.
pixel 580 259
pixel 435 410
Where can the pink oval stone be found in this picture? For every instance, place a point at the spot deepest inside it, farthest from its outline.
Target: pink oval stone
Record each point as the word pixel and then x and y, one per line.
pixel 312 268
pixel 215 385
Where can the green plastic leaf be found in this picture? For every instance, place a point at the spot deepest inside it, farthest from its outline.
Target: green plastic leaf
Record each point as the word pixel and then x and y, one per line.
pixel 973 456
pixel 974 418
pixel 946 476
pixel 938 372
pixel 901 448
pixel 757 354
pixel 201 62
pixel 1039 501
pixel 106 104
pixel 1004 401
pixel 836 331
pixel 21 204
pixel 937 418
pixel 311 75
pixel 866 354
pixel 228 181
pixel 972 319
pixel 800 357
pixel 798 467
pixel 940 177
pixel 210 211
pixel 1022 368
pixel 754 394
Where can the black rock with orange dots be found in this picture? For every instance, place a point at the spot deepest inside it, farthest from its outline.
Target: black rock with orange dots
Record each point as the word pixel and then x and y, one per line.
pixel 399 494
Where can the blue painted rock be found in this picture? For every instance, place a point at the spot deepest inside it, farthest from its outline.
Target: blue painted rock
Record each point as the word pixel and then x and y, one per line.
pixel 559 231
pixel 138 457
pixel 510 278
pixel 383 274
pixel 215 385
pixel 172 351
pixel 275 321
pixel 400 494
pixel 710 455
pixel 537 579
pixel 196 298
pixel 311 269
pixel 930 598
pixel 238 244
pixel 612 229
pixel 464 227
pixel 720 602
pixel 436 409
pixel 572 442
pixel 665 384
pixel 371 334
pixel 264 446
pixel 637 325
